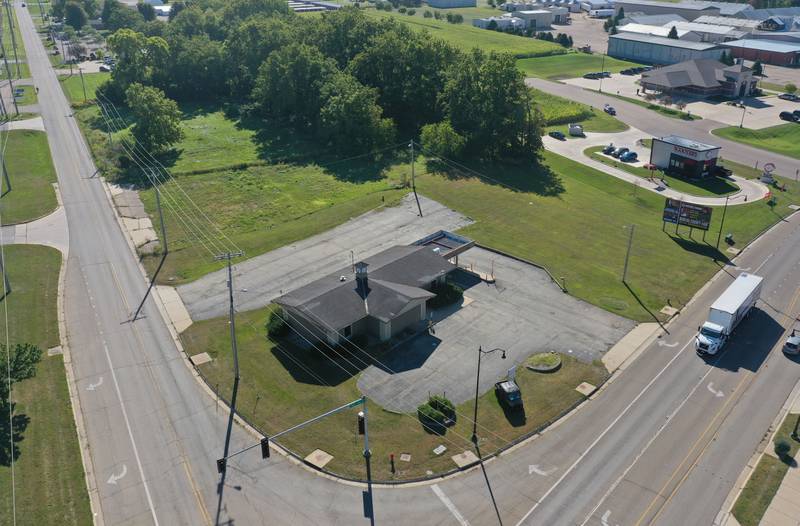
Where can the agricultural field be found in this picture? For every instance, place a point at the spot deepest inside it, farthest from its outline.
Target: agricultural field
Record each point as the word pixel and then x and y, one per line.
pixel 570 65
pixel 466 37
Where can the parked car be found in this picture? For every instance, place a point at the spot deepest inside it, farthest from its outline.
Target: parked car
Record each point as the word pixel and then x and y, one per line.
pixel 789 96
pixel 593 76
pixel 787 116
pixel 576 130
pixel 792 344
pixel 796 114
pixel 619 151
pixel 721 171
pixel 609 149
pixel 103 67
pixel 508 393
pixel 608 108
pixel 628 157
pixel 557 135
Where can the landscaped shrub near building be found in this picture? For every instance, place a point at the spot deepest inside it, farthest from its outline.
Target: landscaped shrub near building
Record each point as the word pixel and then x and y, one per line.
pixel 446 294
pixel 444 406
pixel 437 414
pixel 276 324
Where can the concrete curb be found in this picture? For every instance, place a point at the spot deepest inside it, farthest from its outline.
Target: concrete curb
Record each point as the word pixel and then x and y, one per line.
pixel 725 516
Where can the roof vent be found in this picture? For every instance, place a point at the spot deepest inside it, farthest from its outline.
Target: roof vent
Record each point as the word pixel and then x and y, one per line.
pixel 342 278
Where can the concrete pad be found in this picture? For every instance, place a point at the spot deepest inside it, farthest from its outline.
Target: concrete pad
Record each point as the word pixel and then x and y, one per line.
pixel 669 311
pixel 774 517
pixel 628 345
pixel 734 251
pixel 201 358
pixel 794 207
pixel 464 459
pixel 586 389
pixel 438 450
pixel 55 351
pixel 405 457
pixel 319 458
pixel 175 309
pixel 28 124
pixel 143 236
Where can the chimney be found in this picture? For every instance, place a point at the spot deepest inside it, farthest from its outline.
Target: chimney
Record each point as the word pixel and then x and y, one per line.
pixel 361 272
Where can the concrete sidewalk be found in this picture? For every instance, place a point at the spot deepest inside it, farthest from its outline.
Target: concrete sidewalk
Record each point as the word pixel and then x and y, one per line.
pixel 573 149
pixel 784 510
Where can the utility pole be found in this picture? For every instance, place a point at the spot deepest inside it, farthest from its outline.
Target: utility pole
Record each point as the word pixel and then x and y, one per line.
pixel 232 315
pixel 5 177
pixel 722 223
pixel 13 37
pixel 413 179
pixel 367 457
pixel 602 70
pixel 80 70
pixel 628 253
pixel 8 73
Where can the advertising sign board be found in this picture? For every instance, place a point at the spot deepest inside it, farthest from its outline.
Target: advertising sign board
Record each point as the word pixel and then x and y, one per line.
pixel 687 214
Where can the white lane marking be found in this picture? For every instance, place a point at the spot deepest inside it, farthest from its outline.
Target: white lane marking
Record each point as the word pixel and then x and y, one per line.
pixel 740 269
pixel 763 263
pixel 662 343
pixel 92 387
pixel 449 504
pixel 130 436
pixel 717 393
pixel 114 478
pixel 534 468
pixel 604 518
pixel 604 433
pixel 649 443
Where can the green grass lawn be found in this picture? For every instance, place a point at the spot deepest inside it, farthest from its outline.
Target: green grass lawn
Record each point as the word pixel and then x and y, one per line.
pixel 558 112
pixel 28 96
pixel 31 172
pixel 49 479
pixel 783 138
pixel 766 479
pixel 667 112
pixel 465 36
pixel 275 394
pixel 17 37
pixel 712 186
pixel 22 73
pixel 571 218
pixel 570 65
pixel 73 88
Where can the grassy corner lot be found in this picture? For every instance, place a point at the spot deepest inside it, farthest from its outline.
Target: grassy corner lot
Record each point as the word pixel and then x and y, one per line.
pixel 572 218
pixel 49 478
pixel 782 139
pixel 278 390
pixel 27 97
pixel 32 175
pixel 570 65
pixel 465 36
pixel 73 86
pixel 767 477
pixel 558 112
pixel 663 110
pixel 710 187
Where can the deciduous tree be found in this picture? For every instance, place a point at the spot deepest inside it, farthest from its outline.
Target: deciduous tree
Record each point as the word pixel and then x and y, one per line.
pixel 158 119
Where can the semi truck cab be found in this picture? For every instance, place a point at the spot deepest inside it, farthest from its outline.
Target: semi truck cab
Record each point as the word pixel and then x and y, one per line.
pixel 710 338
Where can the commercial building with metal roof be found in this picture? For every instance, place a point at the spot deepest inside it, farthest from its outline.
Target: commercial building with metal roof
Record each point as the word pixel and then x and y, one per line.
pixel 688 10
pixel 659 50
pixel 768 51
pixel 707 32
pixel 743 24
pixel 651 20
pixel 659 31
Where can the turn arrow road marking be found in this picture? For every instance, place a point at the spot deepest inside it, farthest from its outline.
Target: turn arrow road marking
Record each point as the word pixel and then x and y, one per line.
pixel 718 394
pixel 114 478
pixel 92 387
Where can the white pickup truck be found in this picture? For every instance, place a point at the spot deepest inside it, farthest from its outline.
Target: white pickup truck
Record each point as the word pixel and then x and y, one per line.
pixel 726 313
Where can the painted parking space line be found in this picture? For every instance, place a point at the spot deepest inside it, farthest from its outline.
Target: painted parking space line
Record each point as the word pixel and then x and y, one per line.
pixel 449 504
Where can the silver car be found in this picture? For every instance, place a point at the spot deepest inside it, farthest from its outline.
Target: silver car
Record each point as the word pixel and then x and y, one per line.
pixel 792 345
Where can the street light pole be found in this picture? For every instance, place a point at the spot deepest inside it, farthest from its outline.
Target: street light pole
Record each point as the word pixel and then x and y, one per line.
pixel 744 110
pixel 481 352
pixel 628 253
pixel 722 223
pixel 602 70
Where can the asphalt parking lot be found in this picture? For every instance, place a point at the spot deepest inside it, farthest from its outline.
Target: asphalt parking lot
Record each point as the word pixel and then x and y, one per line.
pixel 524 312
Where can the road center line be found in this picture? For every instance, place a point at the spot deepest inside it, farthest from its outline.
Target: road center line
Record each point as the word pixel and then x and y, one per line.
pixel 763 262
pixel 604 433
pixel 450 506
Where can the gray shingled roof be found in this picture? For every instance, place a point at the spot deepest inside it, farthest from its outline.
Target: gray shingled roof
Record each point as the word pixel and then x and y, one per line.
pixel 395 278
pixel 705 73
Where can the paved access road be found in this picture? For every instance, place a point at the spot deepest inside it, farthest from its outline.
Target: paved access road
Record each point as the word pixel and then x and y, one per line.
pixel 153 433
pixel 658 125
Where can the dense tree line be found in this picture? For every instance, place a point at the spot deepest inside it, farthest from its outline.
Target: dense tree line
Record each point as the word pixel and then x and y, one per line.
pixel 355 83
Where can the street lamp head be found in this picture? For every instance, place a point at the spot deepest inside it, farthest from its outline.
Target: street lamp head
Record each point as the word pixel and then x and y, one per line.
pixel 503 356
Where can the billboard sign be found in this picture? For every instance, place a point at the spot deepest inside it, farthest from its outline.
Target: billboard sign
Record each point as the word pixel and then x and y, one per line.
pixel 687 214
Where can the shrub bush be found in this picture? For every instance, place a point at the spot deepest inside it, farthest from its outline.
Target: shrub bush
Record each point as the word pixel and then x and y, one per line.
pixel 446 294
pixel 276 324
pixel 432 420
pixel 443 406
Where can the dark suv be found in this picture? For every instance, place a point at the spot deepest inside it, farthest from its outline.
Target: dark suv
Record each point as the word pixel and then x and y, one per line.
pixel 508 393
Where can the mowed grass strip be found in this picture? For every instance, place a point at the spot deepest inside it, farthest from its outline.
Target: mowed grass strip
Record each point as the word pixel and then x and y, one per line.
pixel 73 87
pixel 782 139
pixel 32 175
pixel 574 220
pixel 767 477
pixel 49 478
pixel 27 97
pixel 282 386
pixel 558 111
pixel 466 37
pixel 708 187
pixel 570 65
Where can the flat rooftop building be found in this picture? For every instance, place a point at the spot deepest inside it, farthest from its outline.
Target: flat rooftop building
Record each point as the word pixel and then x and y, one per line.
pixel 659 50
pixel 774 52
pixel 683 156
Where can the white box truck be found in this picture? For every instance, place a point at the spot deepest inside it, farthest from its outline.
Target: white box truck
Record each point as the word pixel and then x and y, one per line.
pixel 601 13
pixel 726 313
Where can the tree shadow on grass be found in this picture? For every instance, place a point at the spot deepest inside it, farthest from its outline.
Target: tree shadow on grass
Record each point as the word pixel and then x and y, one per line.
pixel 531 176
pixel 8 444
pixel 317 364
pixel 784 451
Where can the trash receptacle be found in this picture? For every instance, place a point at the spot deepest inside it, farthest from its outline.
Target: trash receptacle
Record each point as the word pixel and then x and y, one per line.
pixel 729 239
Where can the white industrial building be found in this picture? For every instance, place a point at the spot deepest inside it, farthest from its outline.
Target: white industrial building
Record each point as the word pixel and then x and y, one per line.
pixel 536 19
pixel 659 31
pixel 659 50
pixel 500 22
pixel 742 24
pixel 708 32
